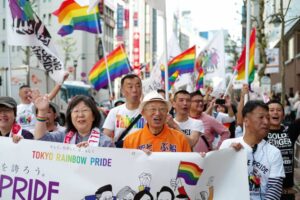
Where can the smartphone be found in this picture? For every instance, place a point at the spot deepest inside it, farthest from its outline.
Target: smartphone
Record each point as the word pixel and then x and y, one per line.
pixel 220 101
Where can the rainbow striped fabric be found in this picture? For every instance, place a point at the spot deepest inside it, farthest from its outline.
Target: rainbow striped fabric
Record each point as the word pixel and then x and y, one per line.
pixel 21 10
pixel 184 62
pixel 74 17
pixel 242 60
pixel 190 172
pixel 200 79
pixel 117 64
pixel 173 78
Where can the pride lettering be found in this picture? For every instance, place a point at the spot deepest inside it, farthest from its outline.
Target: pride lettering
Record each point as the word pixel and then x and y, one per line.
pixel 105 162
pixel 32 189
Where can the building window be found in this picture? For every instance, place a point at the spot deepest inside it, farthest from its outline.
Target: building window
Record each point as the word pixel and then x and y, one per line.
pixel 4 4
pixel 3 46
pixel 13 48
pixel 290 49
pixel 3 24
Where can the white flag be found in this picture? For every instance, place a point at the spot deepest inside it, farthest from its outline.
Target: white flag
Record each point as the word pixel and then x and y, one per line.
pixel 26 29
pixel 212 60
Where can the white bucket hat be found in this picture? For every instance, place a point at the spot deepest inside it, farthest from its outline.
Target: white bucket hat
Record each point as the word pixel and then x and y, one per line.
pixel 151 97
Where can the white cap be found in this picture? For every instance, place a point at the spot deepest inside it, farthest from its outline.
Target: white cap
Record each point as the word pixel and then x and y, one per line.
pixel 152 97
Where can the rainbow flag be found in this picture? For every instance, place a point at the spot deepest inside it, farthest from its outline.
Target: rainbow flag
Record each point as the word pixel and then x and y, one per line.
pixel 190 172
pixel 74 17
pixel 242 60
pixel 162 71
pixel 184 62
pixel 21 10
pixel 200 79
pixel 173 78
pixel 117 63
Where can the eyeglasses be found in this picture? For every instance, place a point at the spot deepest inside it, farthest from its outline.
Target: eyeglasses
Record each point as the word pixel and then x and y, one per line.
pixel 83 111
pixel 155 110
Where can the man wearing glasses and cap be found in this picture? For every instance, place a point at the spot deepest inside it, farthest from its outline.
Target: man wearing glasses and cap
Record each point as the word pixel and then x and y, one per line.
pixel 156 136
pixel 8 125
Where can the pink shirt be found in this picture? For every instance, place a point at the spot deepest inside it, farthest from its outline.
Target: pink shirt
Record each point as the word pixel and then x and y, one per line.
pixel 211 126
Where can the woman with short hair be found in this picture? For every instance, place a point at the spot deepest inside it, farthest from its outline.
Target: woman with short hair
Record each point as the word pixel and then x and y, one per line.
pixel 82 122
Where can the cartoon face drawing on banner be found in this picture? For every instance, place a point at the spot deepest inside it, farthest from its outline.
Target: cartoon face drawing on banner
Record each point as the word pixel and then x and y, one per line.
pixel 165 193
pixel 103 193
pixel 143 195
pixel 126 193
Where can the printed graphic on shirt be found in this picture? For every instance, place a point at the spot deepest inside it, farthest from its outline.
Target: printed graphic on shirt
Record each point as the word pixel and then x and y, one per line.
pixel 24 119
pixel 187 131
pixel 164 147
pixel 283 142
pixel 280 140
pixel 123 121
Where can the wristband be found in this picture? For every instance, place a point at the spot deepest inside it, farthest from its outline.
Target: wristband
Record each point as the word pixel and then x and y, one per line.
pixel 41 119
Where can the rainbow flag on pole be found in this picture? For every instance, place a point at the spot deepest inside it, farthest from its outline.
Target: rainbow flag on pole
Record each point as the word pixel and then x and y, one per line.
pixel 241 72
pixel 76 17
pixel 200 79
pixel 173 78
pixel 184 62
pixel 190 172
pixel 117 63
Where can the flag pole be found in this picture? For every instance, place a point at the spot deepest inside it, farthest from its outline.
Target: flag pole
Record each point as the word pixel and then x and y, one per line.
pixel 101 35
pixel 166 53
pixel 230 83
pixel 247 53
pixel 248 24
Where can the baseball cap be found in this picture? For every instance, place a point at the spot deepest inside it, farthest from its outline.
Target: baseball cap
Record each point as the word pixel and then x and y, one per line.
pixel 151 97
pixel 8 102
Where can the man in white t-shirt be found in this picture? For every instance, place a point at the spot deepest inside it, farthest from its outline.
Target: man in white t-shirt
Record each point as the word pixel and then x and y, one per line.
pixel 192 128
pixel 120 117
pixel 25 110
pixel 265 164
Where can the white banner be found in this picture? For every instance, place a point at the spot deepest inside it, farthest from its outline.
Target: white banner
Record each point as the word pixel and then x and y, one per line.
pixel 26 29
pixel 43 170
pixel 212 60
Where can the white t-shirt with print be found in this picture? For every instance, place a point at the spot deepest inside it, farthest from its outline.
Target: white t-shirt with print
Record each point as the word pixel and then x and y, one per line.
pixel 266 162
pixel 223 117
pixel 26 116
pixel 119 118
pixel 191 125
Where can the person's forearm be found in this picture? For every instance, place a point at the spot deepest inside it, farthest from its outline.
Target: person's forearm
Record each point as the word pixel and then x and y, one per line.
pixel 40 127
pixel 239 116
pixel 230 111
pixel 274 189
pixel 54 91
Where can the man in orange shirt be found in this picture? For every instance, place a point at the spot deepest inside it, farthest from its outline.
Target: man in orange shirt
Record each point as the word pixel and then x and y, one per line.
pixel 156 136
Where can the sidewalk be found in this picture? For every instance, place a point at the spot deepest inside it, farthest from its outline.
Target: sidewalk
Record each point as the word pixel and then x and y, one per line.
pixel 297 182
